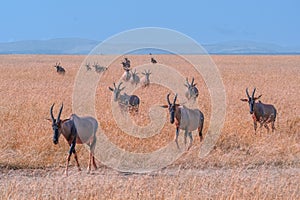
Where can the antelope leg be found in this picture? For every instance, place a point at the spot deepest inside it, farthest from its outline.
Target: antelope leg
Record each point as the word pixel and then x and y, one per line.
pixel 191 140
pixel 176 138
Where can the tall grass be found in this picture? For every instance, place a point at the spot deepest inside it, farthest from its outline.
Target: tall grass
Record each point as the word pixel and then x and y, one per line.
pixel 242 164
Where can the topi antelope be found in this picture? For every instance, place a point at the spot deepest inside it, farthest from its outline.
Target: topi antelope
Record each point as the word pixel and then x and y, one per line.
pixel 76 130
pixel 59 69
pixel 99 68
pixel 192 92
pixel 135 79
pixel 126 63
pixel 88 67
pixel 185 119
pixel 127 75
pixel 262 113
pixel 153 60
pixel 145 79
pixel 129 101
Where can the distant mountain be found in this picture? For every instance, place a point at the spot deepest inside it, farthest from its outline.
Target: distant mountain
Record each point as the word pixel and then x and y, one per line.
pixel 249 47
pixel 84 46
pixel 53 46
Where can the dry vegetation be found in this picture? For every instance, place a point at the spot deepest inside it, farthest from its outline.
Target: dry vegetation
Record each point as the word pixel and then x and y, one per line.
pixel 241 166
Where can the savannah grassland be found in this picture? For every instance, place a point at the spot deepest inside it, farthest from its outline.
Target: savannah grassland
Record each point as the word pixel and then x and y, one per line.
pixel 242 165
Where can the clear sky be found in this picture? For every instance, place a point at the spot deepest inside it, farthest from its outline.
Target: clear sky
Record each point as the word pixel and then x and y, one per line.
pixel 209 21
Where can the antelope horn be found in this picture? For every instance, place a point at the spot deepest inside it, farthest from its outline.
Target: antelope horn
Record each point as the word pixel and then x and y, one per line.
pixel 253 92
pixel 51 113
pixel 175 98
pixel 60 110
pixel 115 85
pixel 119 85
pixel 168 99
pixel 192 81
pixel 247 93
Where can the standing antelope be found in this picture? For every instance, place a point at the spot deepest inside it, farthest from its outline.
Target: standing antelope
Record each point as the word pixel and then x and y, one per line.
pixel 127 75
pixel 88 67
pixel 185 119
pixel 129 101
pixel 99 68
pixel 145 79
pixel 76 130
pixel 135 79
pixel 126 63
pixel 262 113
pixel 59 69
pixel 192 92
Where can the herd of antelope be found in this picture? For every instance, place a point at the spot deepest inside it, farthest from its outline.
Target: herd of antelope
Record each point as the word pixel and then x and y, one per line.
pixel 82 130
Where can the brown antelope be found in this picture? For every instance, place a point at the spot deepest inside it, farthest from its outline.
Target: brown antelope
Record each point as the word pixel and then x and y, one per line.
pixel 59 69
pixel 76 130
pixel 128 101
pixel 99 68
pixel 185 119
pixel 126 63
pixel 88 67
pixel 127 75
pixel 135 79
pixel 145 79
pixel 262 113
pixel 153 61
pixel 192 92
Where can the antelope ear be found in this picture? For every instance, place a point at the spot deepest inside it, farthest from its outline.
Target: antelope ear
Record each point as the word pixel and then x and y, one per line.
pixel 244 100
pixel 164 106
pixel 257 97
pixel 122 88
pixel 186 85
pixel 48 119
pixel 110 89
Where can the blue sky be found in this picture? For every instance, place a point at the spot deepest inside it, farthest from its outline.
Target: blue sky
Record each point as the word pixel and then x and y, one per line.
pixel 207 22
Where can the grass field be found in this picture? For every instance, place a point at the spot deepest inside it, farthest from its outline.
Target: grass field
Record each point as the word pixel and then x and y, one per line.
pixel 243 165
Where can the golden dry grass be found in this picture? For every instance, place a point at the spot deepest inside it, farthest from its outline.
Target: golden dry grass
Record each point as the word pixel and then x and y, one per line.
pixel 241 166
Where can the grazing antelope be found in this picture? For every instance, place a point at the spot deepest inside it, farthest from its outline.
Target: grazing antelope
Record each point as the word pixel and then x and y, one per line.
pixel 99 68
pixel 127 75
pixel 145 79
pixel 262 113
pixel 135 79
pixel 126 63
pixel 185 119
pixel 192 92
pixel 76 130
pixel 153 60
pixel 129 101
pixel 59 69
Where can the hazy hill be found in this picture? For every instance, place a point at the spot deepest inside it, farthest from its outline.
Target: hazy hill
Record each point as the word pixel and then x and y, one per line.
pixel 84 46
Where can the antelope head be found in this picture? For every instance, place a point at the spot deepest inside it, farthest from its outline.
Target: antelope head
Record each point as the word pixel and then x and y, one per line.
pixel 188 85
pixel 146 73
pixel 251 100
pixel 56 124
pixel 171 107
pixel 117 91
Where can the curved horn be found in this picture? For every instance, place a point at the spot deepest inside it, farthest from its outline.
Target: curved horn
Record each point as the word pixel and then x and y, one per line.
pixel 253 92
pixel 119 85
pixel 175 98
pixel 51 113
pixel 60 110
pixel 168 95
pixel 247 93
